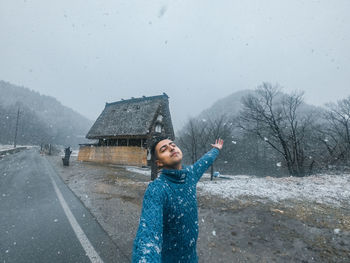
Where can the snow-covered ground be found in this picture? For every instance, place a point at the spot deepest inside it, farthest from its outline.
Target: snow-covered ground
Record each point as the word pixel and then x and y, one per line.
pixel 75 153
pixel 5 147
pixel 326 189
pixel 144 171
pixel 8 149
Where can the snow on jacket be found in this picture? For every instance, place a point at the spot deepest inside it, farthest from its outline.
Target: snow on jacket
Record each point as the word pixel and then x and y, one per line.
pixel 168 228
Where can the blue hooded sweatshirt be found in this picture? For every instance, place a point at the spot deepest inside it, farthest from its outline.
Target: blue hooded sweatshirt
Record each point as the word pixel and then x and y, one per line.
pixel 168 228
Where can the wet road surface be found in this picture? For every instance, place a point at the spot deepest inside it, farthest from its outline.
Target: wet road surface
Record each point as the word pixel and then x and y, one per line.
pixel 41 220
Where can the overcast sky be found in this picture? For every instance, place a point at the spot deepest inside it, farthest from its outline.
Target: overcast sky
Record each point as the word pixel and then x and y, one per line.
pixel 86 53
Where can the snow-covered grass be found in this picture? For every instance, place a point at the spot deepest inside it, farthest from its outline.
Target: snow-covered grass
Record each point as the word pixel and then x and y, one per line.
pixel 325 189
pixel 75 153
pixel 144 171
pixel 5 147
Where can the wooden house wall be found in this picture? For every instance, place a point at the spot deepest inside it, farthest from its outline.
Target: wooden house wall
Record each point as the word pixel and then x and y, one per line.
pixel 123 155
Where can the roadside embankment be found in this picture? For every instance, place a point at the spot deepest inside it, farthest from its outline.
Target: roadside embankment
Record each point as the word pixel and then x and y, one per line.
pixel 12 150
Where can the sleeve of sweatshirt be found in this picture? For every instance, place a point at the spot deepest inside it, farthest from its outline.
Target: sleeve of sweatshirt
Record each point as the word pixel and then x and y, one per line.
pixel 148 241
pixel 204 163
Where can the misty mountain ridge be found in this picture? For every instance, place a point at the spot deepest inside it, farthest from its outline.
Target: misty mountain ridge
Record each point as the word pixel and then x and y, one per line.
pixel 231 105
pixel 42 119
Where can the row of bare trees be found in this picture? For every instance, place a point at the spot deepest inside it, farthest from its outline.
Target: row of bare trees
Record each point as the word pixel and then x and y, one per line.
pixel 198 133
pixel 274 133
pixel 336 134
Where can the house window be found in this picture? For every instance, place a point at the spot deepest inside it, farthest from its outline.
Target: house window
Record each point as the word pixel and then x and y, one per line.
pixel 160 118
pixel 122 142
pixel 135 142
pixel 101 142
pixel 111 142
pixel 158 128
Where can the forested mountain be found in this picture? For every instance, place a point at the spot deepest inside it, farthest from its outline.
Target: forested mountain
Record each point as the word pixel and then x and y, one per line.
pixel 42 119
pixel 230 105
pixel 266 131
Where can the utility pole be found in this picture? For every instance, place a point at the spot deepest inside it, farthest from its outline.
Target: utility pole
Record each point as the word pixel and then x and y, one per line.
pixel 15 141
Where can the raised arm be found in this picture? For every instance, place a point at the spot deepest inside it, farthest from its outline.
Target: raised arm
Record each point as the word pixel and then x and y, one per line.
pixel 207 159
pixel 148 241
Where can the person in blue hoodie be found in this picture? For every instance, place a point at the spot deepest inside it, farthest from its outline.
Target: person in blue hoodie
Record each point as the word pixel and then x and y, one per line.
pixel 168 228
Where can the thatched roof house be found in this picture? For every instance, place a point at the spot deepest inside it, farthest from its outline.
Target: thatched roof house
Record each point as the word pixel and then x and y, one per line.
pixel 133 118
pixel 128 123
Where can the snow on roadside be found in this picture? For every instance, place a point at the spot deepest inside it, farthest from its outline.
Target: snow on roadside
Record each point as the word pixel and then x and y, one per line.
pixel 326 189
pixel 6 147
pixel 75 153
pixel 144 171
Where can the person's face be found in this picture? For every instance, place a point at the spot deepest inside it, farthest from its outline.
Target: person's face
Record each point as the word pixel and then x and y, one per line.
pixel 168 155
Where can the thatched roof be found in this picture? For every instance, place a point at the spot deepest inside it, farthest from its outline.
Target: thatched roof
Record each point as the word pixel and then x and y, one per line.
pixel 133 117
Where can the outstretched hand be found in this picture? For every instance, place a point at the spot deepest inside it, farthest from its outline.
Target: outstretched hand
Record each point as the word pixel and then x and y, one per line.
pixel 218 144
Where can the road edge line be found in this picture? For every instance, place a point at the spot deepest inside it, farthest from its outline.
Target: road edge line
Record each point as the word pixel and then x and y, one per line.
pixel 84 241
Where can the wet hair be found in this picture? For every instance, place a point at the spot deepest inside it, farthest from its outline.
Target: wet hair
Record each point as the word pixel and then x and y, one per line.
pixel 155 140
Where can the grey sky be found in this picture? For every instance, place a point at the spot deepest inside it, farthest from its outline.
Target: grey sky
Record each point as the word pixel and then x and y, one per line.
pixel 86 53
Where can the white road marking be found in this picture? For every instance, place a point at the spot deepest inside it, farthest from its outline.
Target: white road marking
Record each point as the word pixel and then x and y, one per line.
pixel 84 241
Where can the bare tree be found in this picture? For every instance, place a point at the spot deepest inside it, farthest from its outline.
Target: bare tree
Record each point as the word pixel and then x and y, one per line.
pixel 198 134
pixel 193 137
pixel 336 134
pixel 220 127
pixel 276 119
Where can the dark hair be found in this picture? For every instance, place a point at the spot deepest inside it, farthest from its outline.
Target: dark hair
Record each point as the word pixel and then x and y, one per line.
pixel 155 140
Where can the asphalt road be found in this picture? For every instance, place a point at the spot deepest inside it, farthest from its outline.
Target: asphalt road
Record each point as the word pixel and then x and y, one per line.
pixel 41 220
